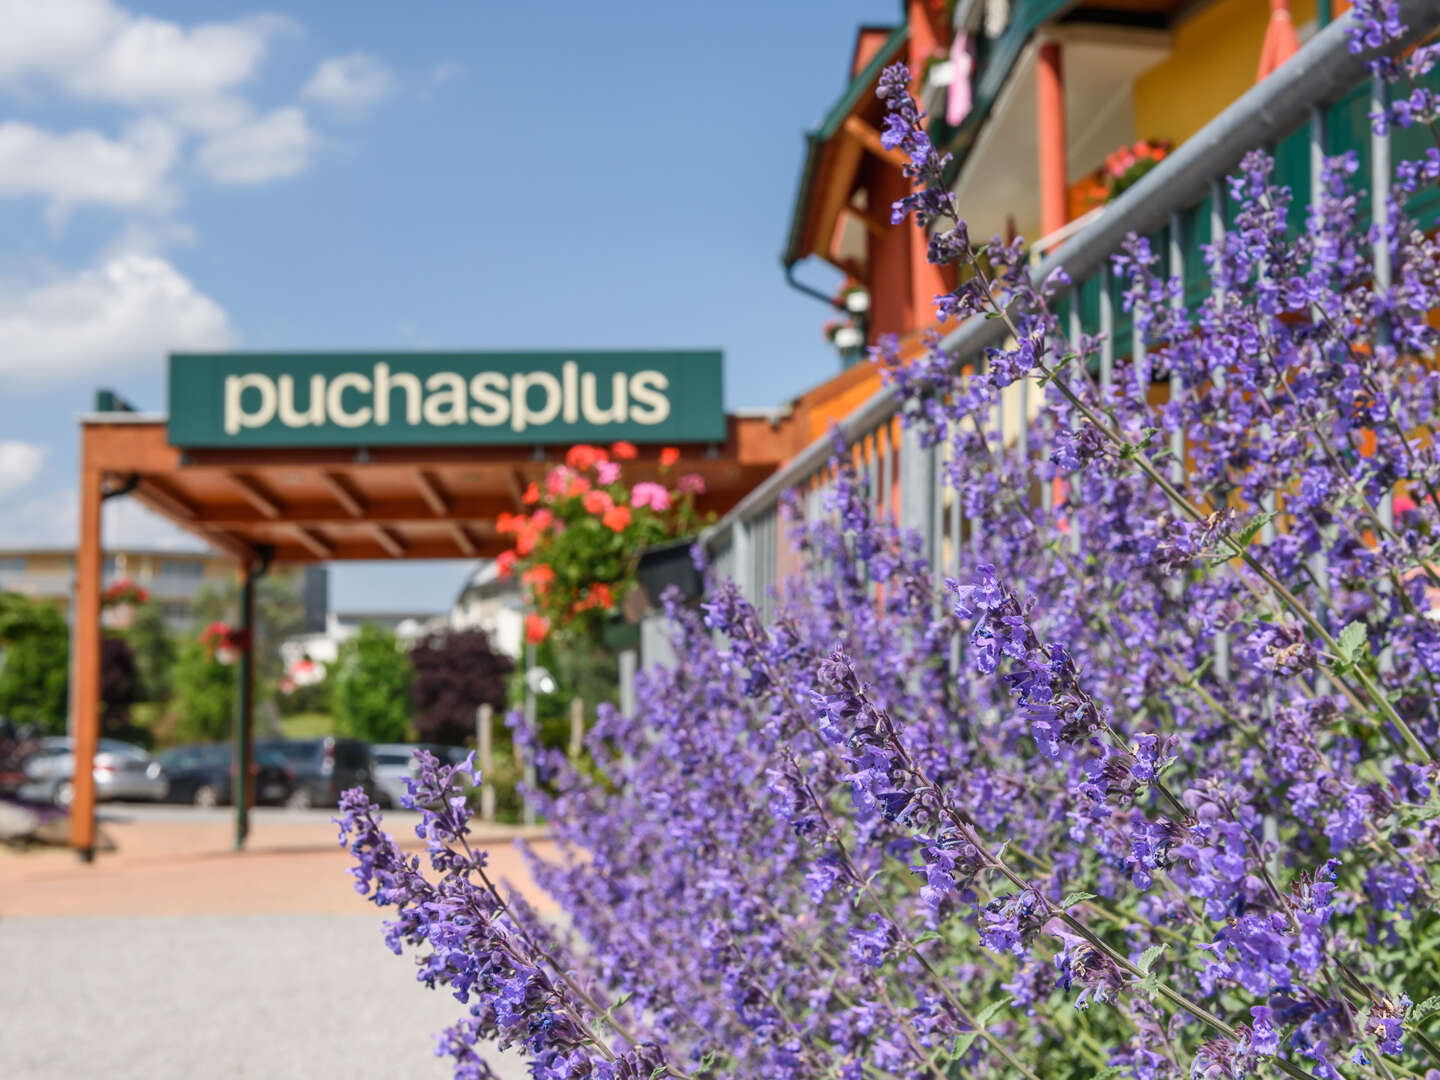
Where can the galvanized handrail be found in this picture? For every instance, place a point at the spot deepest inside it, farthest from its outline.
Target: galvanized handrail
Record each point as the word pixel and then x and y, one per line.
pixel 1319 75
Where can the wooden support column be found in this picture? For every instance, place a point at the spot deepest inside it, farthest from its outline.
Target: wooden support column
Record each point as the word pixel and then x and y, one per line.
pixel 1050 129
pixel 86 643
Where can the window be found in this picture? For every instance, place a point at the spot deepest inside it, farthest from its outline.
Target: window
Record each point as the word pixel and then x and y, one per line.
pixel 187 569
pixel 12 564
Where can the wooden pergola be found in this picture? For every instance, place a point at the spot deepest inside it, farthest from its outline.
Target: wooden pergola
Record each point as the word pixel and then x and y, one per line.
pixel 270 506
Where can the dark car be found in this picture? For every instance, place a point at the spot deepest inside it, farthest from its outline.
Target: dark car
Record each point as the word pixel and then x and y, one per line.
pixel 205 775
pixel 323 768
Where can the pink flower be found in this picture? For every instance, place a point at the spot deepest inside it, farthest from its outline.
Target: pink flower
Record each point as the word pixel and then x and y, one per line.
pixel 650 494
pixel 557 480
pixel 607 472
pixel 691 484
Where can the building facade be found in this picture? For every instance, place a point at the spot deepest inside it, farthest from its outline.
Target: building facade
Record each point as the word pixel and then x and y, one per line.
pixel 173 579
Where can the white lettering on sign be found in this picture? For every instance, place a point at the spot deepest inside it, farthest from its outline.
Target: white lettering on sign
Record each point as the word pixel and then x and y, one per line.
pixel 489 399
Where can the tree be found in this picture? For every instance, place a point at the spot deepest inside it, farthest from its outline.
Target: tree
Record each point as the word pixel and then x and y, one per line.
pixel 34 663
pixel 371 684
pixel 204 701
pixel 119 682
pixel 456 671
pixel 279 614
pixel 155 652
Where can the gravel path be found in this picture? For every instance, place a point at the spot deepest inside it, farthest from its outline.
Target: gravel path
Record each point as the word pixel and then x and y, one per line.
pixel 279 997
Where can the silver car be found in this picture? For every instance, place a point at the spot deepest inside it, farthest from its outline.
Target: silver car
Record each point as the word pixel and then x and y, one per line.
pixel 122 771
pixel 394 762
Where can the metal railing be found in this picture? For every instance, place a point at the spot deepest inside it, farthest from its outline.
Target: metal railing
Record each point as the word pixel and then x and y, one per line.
pixel 1183 195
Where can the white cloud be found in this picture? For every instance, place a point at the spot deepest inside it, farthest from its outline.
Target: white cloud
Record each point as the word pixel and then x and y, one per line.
pixel 87 167
pixel 269 147
pixel 124 314
pixel 447 71
pixel 355 82
pixel 53 519
pixel 99 51
pixel 20 463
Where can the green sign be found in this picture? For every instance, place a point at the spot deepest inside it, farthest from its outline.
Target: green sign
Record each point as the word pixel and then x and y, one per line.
pixel 430 399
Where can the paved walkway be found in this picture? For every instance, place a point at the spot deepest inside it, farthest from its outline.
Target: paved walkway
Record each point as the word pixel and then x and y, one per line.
pixel 175 957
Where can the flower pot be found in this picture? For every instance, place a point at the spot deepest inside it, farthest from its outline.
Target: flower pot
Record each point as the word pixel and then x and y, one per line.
pixel 667 565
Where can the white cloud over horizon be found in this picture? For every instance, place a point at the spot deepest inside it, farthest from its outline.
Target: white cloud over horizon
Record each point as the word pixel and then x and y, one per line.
pixel 20 464
pixel 354 82
pixel 52 519
pixel 116 316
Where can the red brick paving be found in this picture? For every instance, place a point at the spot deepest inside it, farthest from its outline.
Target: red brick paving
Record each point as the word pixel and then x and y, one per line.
pixel 190 868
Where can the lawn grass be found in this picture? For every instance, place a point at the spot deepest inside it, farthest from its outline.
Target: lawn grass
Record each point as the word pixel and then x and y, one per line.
pixel 307 725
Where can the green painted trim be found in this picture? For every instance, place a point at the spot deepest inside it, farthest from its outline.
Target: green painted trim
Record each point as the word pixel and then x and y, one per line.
pixel 815 140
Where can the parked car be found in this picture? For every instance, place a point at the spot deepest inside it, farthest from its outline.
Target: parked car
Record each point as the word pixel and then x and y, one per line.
pixel 322 768
pixel 122 771
pixel 205 775
pixel 394 762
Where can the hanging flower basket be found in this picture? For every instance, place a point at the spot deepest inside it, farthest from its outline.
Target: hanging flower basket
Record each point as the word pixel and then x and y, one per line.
pixel 577 545
pixel 124 592
pixel 225 643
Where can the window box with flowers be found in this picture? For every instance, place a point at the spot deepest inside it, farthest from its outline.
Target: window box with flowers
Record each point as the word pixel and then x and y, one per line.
pixel 578 548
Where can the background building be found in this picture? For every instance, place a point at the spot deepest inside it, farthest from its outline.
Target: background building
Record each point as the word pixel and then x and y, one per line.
pixel 174 579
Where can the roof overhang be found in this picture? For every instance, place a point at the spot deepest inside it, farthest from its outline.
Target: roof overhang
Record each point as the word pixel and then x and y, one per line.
pixel 1000 173
pixel 832 156
pixel 316 505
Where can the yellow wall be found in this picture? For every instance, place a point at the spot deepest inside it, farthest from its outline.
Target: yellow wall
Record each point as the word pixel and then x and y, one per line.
pixel 1216 53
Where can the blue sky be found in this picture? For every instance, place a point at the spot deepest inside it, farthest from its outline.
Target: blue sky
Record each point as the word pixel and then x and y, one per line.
pixel 331 175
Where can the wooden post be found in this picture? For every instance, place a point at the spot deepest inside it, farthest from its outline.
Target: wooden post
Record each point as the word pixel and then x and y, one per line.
pixel 85 641
pixel 485 749
pixel 577 728
pixel 1054 169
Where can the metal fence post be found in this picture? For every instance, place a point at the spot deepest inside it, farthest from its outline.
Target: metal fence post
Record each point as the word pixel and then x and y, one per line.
pixel 528 812
pixel 743 554
pixel 629 663
pixel 917 488
pixel 485 748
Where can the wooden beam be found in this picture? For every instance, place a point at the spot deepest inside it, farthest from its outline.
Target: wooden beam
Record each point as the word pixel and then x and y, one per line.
pixel 403 511
pixel 344 494
pixel 290 550
pixel 517 487
pixel 463 540
pixel 256 495
pixel 316 544
pixel 873 222
pixel 432 494
pixel 388 540
pixel 167 502
pixel 869 138
pixel 232 545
